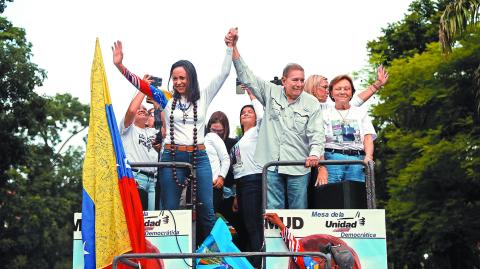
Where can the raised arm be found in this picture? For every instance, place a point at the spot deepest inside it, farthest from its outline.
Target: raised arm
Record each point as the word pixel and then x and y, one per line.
pixel 257 106
pixel 363 96
pixel 133 108
pixel 260 88
pixel 214 86
pixel 139 83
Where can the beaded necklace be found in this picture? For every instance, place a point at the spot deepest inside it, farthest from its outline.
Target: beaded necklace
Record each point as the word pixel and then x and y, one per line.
pixel 194 152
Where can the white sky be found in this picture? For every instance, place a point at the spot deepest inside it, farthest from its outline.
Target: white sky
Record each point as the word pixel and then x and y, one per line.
pixel 325 37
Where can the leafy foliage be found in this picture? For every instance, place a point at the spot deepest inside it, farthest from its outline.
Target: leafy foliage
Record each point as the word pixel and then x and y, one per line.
pixel 429 155
pixel 409 36
pixel 18 77
pixel 456 18
pixel 39 188
pixel 3 5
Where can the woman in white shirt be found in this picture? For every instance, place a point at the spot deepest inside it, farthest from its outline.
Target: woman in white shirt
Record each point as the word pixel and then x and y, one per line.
pixel 248 177
pixel 223 190
pixel 317 86
pixel 349 132
pixel 185 124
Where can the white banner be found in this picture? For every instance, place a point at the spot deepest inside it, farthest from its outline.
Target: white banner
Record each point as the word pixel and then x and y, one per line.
pixel 169 231
pixel 362 229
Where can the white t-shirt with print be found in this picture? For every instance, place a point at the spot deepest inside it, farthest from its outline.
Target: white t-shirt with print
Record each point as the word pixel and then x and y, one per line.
pixel 137 143
pixel 346 129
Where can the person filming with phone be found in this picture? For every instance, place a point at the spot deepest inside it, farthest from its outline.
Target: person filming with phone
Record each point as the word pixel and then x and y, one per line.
pixel 137 138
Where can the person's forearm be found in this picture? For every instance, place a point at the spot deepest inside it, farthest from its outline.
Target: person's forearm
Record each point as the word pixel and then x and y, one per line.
pixel 368 146
pixel 235 53
pixel 121 67
pixel 369 91
pixel 315 135
pixel 212 89
pixel 144 87
pixel 133 108
pixel 258 109
pixel 260 88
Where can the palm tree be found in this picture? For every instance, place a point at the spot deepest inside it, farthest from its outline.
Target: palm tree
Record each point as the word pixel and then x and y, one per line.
pixel 456 18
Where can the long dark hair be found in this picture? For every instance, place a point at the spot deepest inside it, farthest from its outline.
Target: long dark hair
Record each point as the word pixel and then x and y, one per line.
pixel 193 91
pixel 219 117
pixel 241 110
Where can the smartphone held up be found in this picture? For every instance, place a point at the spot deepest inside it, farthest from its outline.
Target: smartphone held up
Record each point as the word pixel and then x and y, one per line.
pixel 157 81
pixel 239 89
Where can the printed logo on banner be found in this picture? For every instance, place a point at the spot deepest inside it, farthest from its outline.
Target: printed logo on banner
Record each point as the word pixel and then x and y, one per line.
pixel 169 231
pixel 361 229
pixel 343 224
pixel 152 221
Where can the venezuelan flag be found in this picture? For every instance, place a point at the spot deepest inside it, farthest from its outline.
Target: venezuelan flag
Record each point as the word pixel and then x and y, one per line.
pixel 112 216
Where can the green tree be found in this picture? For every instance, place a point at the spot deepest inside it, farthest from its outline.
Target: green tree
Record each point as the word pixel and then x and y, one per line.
pixel 455 20
pixel 458 18
pixel 18 78
pixel 410 35
pixel 39 186
pixel 428 142
pixel 3 5
pixel 430 138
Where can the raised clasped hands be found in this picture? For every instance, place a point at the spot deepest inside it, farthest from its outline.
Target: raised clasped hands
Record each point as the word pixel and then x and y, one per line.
pixel 231 37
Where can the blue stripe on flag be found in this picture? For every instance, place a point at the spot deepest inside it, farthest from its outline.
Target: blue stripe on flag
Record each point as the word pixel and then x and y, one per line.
pixel 122 168
pixel 88 230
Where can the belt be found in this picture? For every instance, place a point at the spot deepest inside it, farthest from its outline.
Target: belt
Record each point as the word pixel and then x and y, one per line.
pixel 147 173
pixel 184 147
pixel 351 152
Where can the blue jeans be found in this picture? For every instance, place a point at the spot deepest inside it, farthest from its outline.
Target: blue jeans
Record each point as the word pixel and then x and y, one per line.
pixel 337 173
pixel 146 184
pixel 295 186
pixel 170 191
pixel 249 189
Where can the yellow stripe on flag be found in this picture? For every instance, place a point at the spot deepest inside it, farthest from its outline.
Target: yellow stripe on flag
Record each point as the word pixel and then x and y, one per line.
pixel 100 177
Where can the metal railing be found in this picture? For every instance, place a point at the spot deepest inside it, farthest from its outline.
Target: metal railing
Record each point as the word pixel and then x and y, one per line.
pixel 371 204
pixel 180 165
pixel 369 177
pixel 125 258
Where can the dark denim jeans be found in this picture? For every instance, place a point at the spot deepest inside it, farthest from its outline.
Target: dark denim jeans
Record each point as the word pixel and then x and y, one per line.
pixel 249 190
pixel 170 192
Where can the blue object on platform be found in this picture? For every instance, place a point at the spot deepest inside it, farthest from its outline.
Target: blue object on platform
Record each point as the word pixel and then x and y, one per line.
pixel 220 240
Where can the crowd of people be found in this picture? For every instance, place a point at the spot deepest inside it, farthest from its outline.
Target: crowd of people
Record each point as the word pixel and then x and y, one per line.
pixel 287 122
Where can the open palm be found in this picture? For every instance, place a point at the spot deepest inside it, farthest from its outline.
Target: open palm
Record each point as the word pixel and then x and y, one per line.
pixel 117 53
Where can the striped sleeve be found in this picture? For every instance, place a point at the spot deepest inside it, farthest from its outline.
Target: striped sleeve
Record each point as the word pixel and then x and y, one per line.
pixel 146 88
pixel 293 245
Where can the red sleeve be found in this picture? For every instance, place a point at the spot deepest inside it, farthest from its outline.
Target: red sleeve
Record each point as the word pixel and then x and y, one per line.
pixel 139 83
pixel 294 245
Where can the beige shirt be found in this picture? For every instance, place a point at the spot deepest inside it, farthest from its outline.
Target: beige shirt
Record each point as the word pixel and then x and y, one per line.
pixel 289 132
